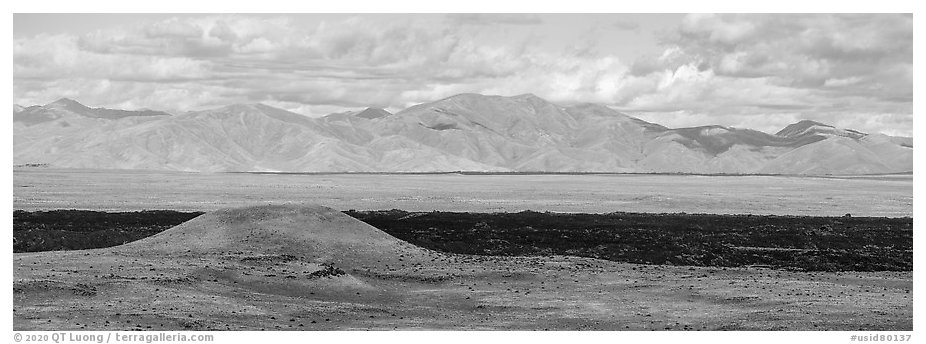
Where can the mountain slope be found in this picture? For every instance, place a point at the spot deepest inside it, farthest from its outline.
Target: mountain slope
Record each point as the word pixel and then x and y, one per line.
pixel 812 128
pixel 523 133
pixel 466 132
pixel 67 108
pixel 252 137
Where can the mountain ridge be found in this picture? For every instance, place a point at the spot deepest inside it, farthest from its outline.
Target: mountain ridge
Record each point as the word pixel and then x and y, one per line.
pixel 464 132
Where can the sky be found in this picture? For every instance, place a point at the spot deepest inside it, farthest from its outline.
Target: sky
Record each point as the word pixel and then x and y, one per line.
pixel 748 71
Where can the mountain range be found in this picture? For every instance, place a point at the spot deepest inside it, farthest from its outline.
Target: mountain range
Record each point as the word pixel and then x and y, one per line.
pixel 466 132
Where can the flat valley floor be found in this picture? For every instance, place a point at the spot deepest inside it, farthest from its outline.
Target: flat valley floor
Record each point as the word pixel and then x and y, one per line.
pixel 306 267
pixel 880 195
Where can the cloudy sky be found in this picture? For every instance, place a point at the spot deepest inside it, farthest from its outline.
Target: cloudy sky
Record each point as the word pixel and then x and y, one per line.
pixel 751 71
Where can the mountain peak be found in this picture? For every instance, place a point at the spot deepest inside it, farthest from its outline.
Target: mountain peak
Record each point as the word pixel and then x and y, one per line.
pixel 65 100
pixel 466 96
pixel 800 128
pixel 528 96
pixel 808 127
pixel 809 123
pixel 67 104
pixel 373 113
pixel 255 110
pixel 247 108
pixel 240 106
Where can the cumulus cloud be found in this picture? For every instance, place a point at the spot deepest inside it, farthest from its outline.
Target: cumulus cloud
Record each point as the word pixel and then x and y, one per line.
pixel 626 25
pixel 488 19
pixel 759 71
pixel 60 56
pixel 833 68
pixel 347 63
pixel 800 50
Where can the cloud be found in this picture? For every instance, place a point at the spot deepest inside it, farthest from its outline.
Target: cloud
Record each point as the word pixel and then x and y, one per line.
pixel 802 50
pixel 490 19
pixel 200 37
pixel 626 25
pixel 60 56
pixel 349 63
pixel 714 69
pixel 833 68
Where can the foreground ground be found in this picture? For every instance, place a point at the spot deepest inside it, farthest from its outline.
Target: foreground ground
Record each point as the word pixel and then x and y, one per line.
pixel 314 268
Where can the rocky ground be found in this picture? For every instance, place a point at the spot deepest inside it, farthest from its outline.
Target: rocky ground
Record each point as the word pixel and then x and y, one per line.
pixel 314 268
